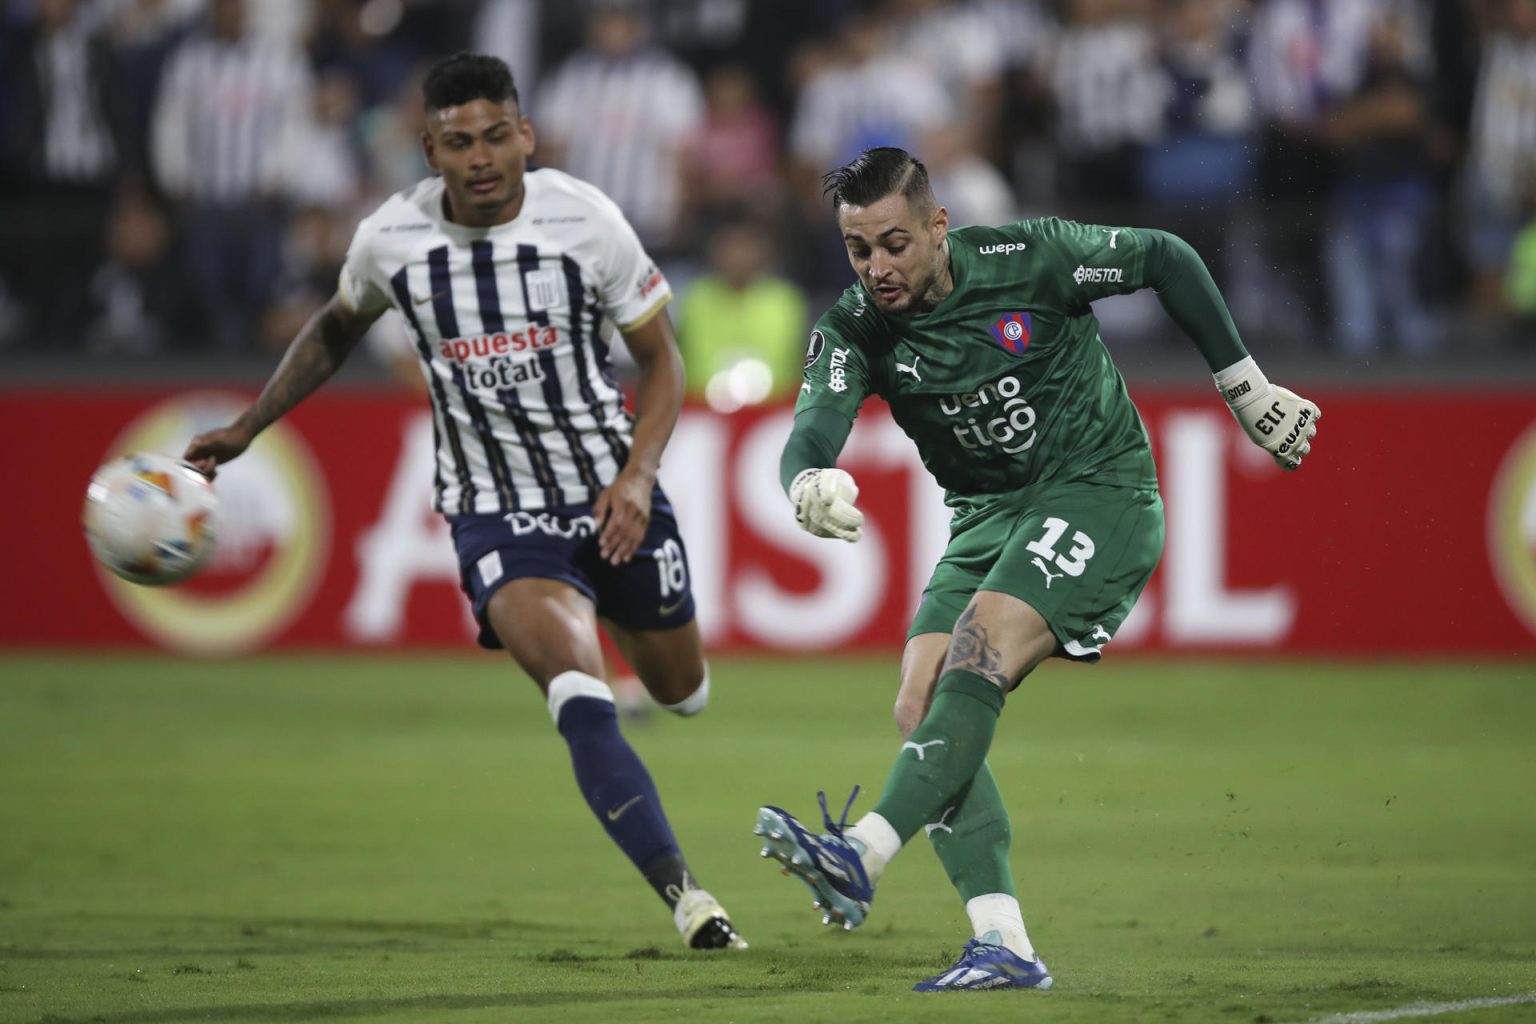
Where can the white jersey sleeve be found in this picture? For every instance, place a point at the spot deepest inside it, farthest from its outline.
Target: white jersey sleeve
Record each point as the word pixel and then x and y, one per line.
pixel 358 286
pixel 630 287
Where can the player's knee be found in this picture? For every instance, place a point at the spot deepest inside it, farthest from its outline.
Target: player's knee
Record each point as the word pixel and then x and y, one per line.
pixel 695 701
pixel 908 713
pixel 571 685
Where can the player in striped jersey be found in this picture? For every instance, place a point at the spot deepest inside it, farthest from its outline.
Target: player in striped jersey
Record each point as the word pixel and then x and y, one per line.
pixel 505 277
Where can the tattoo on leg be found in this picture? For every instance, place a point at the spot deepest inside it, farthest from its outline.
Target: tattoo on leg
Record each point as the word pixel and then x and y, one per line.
pixel 970 651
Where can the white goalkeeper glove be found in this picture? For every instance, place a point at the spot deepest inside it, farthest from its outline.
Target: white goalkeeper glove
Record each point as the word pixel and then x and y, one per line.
pixel 823 500
pixel 1279 421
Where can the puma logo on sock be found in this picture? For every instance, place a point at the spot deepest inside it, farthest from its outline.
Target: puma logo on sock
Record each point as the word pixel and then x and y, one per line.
pixel 939 825
pixel 919 747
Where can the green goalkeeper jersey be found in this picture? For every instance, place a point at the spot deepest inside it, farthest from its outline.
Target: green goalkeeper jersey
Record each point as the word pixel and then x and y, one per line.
pixel 1006 382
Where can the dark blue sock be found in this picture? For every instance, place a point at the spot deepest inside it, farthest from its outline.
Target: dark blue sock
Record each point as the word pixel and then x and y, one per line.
pixel 617 787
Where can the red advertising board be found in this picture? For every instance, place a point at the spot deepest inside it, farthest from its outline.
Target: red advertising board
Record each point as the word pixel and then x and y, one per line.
pixel 1394 538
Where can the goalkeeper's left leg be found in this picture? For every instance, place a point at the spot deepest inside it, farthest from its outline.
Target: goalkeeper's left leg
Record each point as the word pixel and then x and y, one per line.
pixel 972 838
pixel 973 835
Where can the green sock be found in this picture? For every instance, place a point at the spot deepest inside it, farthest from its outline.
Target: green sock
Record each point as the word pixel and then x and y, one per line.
pixel 943 754
pixel 972 837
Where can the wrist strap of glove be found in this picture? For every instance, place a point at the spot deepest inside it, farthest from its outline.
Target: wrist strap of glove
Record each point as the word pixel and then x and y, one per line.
pixel 798 483
pixel 1242 384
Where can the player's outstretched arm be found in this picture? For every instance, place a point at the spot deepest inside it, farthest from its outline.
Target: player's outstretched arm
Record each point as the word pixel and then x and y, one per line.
pixel 624 506
pixel 1279 421
pixel 822 494
pixel 316 352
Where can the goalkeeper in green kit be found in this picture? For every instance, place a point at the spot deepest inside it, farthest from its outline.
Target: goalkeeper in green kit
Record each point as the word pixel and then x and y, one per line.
pixel 983 342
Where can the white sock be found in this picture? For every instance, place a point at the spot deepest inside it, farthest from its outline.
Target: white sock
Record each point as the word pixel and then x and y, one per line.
pixel 880 841
pixel 694 702
pixel 575 684
pixel 997 914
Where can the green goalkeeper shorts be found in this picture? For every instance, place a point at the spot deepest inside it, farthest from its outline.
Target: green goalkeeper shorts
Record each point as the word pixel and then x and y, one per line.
pixel 1077 553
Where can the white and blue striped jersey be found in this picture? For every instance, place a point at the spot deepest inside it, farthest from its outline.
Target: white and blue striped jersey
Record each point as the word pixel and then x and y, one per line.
pixel 508 323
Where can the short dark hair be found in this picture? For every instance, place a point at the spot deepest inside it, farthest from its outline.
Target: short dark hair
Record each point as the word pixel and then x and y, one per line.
pixel 464 77
pixel 877 173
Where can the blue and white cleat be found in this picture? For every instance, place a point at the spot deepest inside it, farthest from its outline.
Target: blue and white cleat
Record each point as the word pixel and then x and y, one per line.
pixel 828 863
pixel 988 965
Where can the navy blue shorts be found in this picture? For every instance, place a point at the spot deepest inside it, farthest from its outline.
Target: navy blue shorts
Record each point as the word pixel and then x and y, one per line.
pixel 653 591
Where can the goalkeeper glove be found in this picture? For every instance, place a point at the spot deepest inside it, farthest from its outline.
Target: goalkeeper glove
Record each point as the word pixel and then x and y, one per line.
pixel 823 500
pixel 1279 421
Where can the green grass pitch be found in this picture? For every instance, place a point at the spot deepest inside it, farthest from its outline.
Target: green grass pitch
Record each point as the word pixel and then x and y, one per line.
pixel 400 839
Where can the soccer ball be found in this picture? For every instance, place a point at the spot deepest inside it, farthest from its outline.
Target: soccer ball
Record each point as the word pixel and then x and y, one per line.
pixel 150 518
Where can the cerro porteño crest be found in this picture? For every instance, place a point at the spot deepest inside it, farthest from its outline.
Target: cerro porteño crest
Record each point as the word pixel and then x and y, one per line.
pixel 1012 332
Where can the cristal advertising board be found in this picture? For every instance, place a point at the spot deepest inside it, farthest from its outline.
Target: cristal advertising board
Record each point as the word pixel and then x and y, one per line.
pixel 1391 540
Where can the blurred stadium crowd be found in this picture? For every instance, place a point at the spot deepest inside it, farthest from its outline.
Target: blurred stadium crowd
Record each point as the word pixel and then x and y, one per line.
pixel 185 175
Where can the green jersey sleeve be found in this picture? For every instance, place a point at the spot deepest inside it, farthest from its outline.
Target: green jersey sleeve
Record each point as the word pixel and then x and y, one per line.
pixel 1092 261
pixel 1191 299
pixel 838 374
pixel 814 443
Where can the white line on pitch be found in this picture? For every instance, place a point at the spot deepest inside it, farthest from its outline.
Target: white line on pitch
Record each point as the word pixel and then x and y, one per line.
pixel 1422 1010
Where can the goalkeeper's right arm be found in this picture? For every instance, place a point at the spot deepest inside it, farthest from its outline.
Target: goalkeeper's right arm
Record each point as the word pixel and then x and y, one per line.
pixel 1279 421
pixel 822 494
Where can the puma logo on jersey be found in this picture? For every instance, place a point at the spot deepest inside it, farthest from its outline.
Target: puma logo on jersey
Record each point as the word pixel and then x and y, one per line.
pixel 904 368
pixel 1048 574
pixel 919 747
pixel 1112 235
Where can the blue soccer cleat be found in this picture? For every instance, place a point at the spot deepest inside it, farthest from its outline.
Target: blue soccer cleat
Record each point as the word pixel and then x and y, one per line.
pixel 828 863
pixel 988 965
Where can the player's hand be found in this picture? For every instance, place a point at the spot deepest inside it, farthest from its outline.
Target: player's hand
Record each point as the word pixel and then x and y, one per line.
pixel 1282 423
pixel 823 500
pixel 623 510
pixel 208 451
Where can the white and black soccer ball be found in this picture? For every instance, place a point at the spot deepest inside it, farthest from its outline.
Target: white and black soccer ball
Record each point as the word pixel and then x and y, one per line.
pixel 150 518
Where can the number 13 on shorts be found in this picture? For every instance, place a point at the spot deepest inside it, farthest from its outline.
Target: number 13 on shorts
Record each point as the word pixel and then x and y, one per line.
pixel 1080 557
pixel 1077 553
pixel 1073 562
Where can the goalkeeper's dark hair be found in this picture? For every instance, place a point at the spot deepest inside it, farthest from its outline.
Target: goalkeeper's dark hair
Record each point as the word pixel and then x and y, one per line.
pixel 877 173
pixel 464 77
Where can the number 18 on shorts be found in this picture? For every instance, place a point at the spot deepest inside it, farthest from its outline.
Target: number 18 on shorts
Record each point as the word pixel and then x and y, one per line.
pixel 652 591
